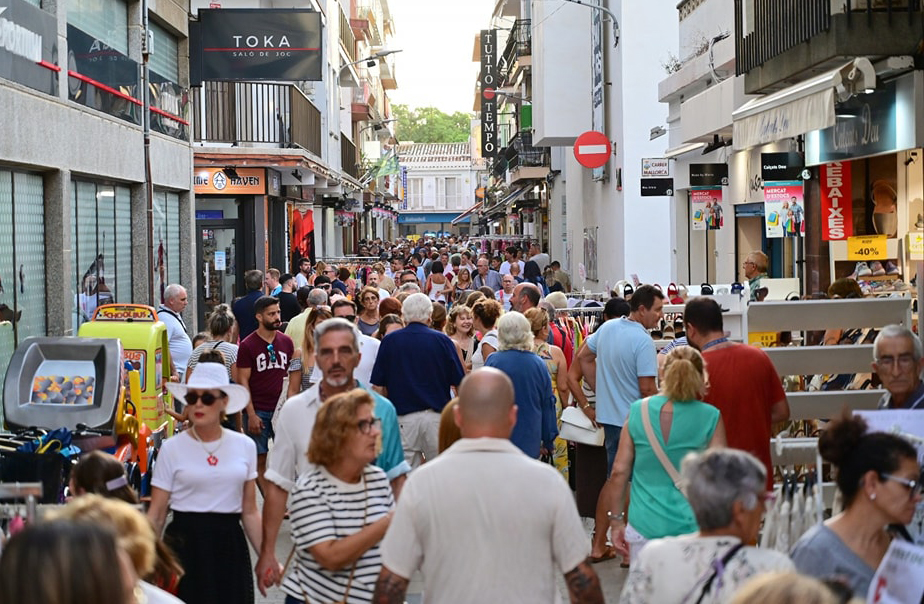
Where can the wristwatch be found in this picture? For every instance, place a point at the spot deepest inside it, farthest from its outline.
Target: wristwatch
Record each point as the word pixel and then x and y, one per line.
pixel 621 516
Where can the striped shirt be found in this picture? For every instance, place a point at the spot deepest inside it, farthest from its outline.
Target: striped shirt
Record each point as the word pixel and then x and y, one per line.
pixel 227 349
pixel 323 508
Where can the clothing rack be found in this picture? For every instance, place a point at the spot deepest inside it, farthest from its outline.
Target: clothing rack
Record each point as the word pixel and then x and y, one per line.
pixel 800 451
pixel 23 490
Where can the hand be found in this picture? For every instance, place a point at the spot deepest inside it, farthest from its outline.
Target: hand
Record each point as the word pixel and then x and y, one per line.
pixel 618 535
pixel 254 423
pixel 591 414
pixel 268 571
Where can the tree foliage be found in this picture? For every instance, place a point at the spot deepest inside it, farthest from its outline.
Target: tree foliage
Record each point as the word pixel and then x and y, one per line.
pixel 430 125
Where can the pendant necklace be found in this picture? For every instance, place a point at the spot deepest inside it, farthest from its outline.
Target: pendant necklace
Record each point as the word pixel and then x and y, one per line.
pixel 213 461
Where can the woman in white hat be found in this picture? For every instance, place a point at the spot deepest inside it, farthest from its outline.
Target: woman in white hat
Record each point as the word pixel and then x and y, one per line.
pixel 207 476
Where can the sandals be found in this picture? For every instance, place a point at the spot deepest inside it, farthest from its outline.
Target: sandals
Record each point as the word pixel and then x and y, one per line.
pixel 608 554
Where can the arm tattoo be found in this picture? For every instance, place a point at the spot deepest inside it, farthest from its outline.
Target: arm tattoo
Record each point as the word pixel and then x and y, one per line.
pixel 584 585
pixel 390 588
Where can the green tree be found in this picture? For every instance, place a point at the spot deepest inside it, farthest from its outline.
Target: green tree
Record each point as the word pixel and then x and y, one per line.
pixel 430 125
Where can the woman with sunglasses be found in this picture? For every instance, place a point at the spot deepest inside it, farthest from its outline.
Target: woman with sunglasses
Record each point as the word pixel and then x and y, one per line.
pixel 207 476
pixel 341 509
pixel 880 480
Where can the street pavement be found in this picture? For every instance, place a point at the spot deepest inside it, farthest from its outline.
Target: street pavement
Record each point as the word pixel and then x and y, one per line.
pixel 611 575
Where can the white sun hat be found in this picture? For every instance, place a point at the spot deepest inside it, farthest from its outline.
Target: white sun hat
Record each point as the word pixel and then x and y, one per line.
pixel 212 376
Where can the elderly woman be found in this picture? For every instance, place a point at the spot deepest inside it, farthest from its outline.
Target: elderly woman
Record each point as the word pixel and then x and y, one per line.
pixel 536 429
pixel 485 315
pixel 726 489
pixel 341 509
pixel 368 320
pixel 674 422
pixel 880 479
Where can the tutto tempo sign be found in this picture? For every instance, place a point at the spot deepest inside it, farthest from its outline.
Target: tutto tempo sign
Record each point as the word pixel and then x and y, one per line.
pixel 255 44
pixel 488 79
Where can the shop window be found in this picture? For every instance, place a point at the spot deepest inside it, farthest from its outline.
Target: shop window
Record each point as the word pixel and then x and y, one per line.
pixel 22 261
pixel 169 101
pixel 101 238
pixel 166 241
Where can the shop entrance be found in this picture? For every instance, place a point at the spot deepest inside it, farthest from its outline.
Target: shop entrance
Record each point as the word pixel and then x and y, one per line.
pixel 221 269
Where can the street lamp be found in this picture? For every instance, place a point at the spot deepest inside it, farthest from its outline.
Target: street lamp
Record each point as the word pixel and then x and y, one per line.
pixel 607 11
pixel 379 125
pixel 370 61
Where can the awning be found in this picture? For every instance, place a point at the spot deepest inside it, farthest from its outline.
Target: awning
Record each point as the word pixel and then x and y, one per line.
pixel 515 195
pixel 801 108
pixel 429 218
pixel 683 150
pixel 467 213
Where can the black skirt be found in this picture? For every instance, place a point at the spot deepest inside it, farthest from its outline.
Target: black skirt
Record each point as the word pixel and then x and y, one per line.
pixel 590 474
pixel 216 559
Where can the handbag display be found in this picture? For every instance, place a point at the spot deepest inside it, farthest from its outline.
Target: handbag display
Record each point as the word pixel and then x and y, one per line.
pixel 577 427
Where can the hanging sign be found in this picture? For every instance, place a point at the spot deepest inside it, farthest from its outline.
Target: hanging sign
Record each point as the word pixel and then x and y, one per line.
pixel 489 82
pixel 655 166
pixel 784 209
pixel 657 187
pixel 706 210
pixel 867 247
pixel 708 175
pixel 836 201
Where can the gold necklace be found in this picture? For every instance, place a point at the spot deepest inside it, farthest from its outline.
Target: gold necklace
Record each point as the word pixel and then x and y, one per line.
pixel 213 461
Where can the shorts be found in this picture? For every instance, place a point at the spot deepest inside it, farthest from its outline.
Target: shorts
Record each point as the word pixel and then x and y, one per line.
pixel 611 442
pixel 419 436
pixel 264 437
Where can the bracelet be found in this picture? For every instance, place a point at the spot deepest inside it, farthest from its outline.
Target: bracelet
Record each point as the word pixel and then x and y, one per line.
pixel 621 516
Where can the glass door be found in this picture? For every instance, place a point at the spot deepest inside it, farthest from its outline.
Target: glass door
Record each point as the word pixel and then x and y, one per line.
pixel 219 278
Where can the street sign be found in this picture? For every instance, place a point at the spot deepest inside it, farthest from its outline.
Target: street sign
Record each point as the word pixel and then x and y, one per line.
pixel 592 149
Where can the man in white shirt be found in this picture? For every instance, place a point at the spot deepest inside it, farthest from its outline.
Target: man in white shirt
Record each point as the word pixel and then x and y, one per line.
pixel 470 499
pixel 511 254
pixel 368 346
pixel 304 271
pixel 175 301
pixel 505 294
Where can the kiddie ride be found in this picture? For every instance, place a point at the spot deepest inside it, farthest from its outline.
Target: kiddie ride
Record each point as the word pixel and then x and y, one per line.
pixel 103 388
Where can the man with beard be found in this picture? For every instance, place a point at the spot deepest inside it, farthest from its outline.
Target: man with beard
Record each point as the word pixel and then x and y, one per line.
pixel 337 355
pixel 262 365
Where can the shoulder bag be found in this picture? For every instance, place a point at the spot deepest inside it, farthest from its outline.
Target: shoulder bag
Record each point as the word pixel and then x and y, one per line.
pixel 577 427
pixel 657 449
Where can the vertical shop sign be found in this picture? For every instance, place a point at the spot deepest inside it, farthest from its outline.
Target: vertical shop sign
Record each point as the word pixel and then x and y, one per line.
pixel 707 212
pixel 598 117
pixel 488 95
pixel 836 201
pixel 784 209
pixel 403 187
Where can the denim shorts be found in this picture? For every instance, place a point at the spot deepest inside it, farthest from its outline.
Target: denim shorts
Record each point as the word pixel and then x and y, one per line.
pixel 264 437
pixel 611 442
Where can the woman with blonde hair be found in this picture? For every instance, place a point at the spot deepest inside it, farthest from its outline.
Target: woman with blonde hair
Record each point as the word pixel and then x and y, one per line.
pixel 673 422
pixel 784 588
pixel 341 509
pixel 485 315
pixel 554 360
pixel 461 285
pixel 301 368
pixel 222 333
pixel 461 330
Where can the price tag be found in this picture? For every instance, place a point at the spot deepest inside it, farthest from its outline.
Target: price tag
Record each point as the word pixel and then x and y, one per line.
pixel 763 339
pixel 867 247
pixel 916 245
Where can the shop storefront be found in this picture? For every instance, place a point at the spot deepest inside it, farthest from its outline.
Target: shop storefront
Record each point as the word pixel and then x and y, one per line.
pixel 431 223
pixel 241 224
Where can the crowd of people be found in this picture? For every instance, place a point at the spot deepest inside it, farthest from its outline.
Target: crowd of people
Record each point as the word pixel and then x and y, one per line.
pixel 404 414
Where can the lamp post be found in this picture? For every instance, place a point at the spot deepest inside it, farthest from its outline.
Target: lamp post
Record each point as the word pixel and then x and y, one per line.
pixel 606 11
pixel 370 61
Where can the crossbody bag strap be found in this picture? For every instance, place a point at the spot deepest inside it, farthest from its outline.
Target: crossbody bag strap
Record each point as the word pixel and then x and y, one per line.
pixel 656 446
pixel 718 569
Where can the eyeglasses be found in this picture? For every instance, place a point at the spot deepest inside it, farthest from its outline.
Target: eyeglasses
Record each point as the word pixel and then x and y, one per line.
pixel 747 262
pixel 371 299
pixel 350 318
pixel 365 425
pixel 905 361
pixel 207 398
pixel 324 286
pixel 272 353
pixel 914 486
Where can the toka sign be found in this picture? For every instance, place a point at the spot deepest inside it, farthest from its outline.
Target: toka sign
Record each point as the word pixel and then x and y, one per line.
pixel 836 201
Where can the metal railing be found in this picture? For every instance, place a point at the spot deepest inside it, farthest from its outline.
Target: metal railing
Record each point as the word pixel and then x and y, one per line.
pixel 251 113
pixel 765 29
pixel 521 153
pixel 347 39
pixel 349 161
pixel 519 44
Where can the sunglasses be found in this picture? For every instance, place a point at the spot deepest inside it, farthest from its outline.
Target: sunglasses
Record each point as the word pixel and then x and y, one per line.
pixel 365 425
pixel 207 398
pixel 350 318
pixel 914 487
pixel 272 353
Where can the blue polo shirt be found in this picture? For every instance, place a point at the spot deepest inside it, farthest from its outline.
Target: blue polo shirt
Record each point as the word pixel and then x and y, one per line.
pixel 532 388
pixel 413 386
pixel 243 312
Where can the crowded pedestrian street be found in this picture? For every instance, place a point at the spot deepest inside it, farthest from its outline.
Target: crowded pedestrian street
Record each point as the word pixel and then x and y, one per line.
pixel 431 302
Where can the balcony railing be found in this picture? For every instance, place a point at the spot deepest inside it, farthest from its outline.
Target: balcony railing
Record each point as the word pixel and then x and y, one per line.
pixel 519 44
pixel 347 39
pixel 521 153
pixel 349 162
pixel 256 113
pixel 767 28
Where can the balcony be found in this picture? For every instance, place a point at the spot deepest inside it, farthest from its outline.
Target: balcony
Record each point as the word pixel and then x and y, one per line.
pixel 779 42
pixel 517 53
pixel 369 20
pixel 363 99
pixel 523 161
pixel 349 161
pixel 347 39
pixel 257 114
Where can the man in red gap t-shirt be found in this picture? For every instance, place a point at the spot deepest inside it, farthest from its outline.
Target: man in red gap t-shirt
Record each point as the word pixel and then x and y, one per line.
pixel 743 383
pixel 262 364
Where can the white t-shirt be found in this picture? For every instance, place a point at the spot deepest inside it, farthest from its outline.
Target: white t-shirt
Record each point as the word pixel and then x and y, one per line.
pixel 504 298
pixel 288 460
pixel 505 267
pixel 542 259
pixel 182 469
pixel 470 500
pixel 478 357
pixel 300 280
pixel 369 349
pixel 178 340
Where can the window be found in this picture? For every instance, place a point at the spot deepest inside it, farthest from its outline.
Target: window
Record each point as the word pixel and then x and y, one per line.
pixel 104 20
pixel 165 53
pixel 166 241
pixel 414 193
pixel 430 192
pixel 453 199
pixel 22 261
pixel 102 241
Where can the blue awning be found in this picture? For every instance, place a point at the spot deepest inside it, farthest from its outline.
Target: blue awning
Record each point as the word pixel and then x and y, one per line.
pixel 429 217
pixel 515 195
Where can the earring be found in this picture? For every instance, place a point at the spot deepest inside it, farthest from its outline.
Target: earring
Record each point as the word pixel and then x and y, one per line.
pixel 872 497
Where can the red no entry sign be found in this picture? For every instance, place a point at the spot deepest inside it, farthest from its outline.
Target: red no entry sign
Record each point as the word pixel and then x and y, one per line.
pixel 592 149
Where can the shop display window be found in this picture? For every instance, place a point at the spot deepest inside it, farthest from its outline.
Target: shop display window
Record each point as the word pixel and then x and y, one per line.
pixel 166 240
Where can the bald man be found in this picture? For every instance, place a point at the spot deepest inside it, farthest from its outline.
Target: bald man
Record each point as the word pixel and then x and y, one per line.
pixel 470 499
pixel 524 297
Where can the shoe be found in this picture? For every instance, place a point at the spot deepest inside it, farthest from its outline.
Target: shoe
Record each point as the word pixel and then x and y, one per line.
pixel 862 270
pixel 667 331
pixel 891 269
pixel 608 554
pixel 627 291
pixel 737 288
pixel 706 290
pixel 678 327
pixel 721 291
pixel 899 286
pixel 877 269
pixel 920 222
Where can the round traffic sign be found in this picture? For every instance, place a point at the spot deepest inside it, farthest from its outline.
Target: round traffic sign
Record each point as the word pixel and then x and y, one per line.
pixel 592 149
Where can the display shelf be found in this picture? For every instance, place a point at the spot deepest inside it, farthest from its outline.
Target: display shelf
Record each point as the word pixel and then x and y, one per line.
pixel 816 315
pixel 880 278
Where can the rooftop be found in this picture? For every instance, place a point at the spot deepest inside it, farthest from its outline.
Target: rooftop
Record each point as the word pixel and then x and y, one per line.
pixel 434 153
